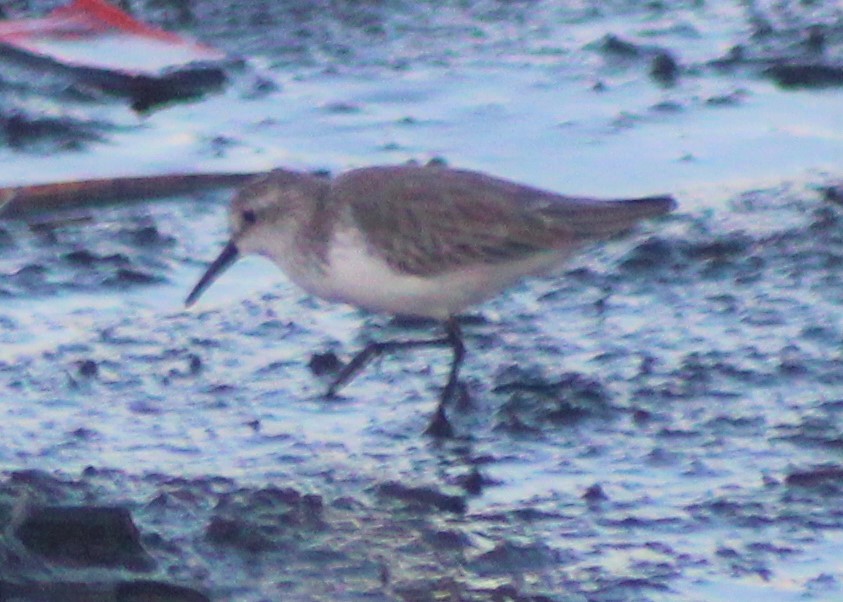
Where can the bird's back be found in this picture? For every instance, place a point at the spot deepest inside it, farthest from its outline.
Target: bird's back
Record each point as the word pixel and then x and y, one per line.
pixel 432 219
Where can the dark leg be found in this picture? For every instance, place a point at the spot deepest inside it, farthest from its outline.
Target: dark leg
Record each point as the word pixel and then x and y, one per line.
pixel 439 426
pixel 454 337
pixel 374 350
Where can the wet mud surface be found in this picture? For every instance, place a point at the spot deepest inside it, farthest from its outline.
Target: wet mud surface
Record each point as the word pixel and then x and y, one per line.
pixel 662 422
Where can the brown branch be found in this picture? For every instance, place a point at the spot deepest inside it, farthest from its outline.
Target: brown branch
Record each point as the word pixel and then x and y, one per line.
pixel 19 201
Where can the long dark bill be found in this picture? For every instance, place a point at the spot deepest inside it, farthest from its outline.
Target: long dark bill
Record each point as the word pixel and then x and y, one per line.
pixel 226 258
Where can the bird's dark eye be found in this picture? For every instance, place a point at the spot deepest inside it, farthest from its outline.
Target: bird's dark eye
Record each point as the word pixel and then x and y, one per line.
pixel 249 216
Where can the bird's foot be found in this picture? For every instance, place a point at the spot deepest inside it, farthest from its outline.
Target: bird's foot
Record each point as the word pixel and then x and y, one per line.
pixel 454 393
pixel 440 427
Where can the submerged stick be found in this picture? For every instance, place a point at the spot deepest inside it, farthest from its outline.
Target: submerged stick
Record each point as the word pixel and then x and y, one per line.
pixel 19 201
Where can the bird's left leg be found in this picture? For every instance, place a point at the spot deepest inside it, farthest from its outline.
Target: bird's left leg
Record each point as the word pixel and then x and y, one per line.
pixel 439 425
pixel 376 349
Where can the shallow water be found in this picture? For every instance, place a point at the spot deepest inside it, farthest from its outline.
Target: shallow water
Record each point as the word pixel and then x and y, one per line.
pixel 634 423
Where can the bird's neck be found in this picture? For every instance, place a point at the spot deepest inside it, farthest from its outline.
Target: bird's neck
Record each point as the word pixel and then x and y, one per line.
pixel 316 227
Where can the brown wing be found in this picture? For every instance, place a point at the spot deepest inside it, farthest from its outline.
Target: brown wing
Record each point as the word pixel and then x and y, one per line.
pixel 426 220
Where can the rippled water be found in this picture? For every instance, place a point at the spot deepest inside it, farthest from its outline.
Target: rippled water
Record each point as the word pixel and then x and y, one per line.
pixel 634 424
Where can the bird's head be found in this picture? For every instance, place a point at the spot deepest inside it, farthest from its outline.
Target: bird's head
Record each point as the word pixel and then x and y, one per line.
pixel 262 218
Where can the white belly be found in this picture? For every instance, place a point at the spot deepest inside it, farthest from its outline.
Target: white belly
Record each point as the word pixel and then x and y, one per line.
pixel 357 277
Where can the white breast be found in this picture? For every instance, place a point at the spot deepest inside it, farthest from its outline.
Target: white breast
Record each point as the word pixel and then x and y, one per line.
pixel 356 276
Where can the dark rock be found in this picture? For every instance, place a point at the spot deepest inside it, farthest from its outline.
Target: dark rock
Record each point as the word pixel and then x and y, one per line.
pixel 261 86
pixel 473 482
pixel 668 106
pixel 194 363
pixel 816 39
pixel 264 519
pixel 512 423
pixel 664 69
pixel 22 131
pixel 341 107
pixel 641 417
pixel 648 255
pixel 535 400
pixel 720 248
pixel 595 493
pixel 148 236
pixel 448 539
pixel 422 497
pixel 97 591
pixel 156 591
pixel 324 363
pixel 238 534
pixel 614 45
pixel 812 75
pixel 84 434
pixel 86 536
pixel 761 26
pixel 127 276
pixel 515 554
pixel 30 273
pixel 270 497
pixel 148 93
pixel 84 257
pixel 219 145
pixel 88 368
pixel 816 478
pixel 729 99
pixel 735 56
pixel 41 481
pixel 145 234
pixel 312 503
pixel 54 591
pixel 834 193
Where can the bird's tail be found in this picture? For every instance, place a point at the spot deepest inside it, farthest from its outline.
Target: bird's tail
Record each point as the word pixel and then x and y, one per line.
pixel 589 218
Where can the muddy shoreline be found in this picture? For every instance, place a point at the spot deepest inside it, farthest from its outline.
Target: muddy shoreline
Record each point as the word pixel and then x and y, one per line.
pixel 661 423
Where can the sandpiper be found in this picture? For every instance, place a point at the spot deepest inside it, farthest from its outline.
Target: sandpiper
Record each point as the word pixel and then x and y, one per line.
pixel 426 241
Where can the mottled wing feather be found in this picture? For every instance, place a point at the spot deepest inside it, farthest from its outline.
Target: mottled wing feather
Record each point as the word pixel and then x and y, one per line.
pixel 427 220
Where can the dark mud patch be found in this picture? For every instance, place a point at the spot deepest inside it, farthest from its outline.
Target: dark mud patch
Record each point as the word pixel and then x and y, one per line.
pixel 806 75
pixel 265 519
pixel 534 402
pixel 42 134
pixel 819 477
pixel 664 425
pixel 631 428
pixel 83 536
pixel 422 498
pixel 49 255
pixel 290 541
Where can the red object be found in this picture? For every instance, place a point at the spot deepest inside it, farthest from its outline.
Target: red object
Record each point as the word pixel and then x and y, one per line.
pixel 79 19
pixel 99 44
pixel 102 15
pixel 86 19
